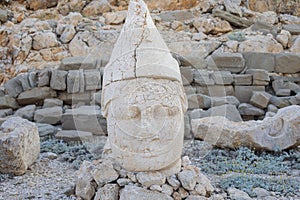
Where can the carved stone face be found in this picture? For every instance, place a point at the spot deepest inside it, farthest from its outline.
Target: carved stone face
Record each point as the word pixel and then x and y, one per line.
pixel 145 123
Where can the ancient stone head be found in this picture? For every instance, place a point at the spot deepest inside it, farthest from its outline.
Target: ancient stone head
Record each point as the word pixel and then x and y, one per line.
pixel 143 98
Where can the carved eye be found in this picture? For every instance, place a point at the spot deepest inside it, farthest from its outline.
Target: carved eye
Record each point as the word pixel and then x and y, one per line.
pixel 134 112
pixel 173 111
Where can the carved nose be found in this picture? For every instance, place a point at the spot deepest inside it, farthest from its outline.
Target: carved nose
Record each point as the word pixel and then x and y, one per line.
pixel 146 117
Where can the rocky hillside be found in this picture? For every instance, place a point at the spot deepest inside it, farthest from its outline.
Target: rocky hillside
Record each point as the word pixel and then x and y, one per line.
pixel 35 34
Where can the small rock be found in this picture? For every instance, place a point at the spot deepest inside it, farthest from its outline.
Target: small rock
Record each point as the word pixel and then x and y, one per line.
pixel 78 62
pixel 200 189
pixel 40 4
pixel 104 173
pixel 173 181
pixel 3 15
pixel 272 108
pixel 68 34
pixel 260 76
pixel 186 161
pixel 260 43
pixel 58 80
pixel 167 189
pixel 261 193
pixel 196 197
pixel 50 155
pixel 48 115
pixel 279 102
pixel 223 78
pixel 42 40
pixel 205 182
pixel 8 102
pixel 292 28
pixel 199 101
pixel 187 179
pixel 5 112
pixel 183 193
pixel 233 62
pixel 96 8
pixel 134 192
pixel 260 99
pixel 236 194
pixel 115 18
pixel 108 192
pixel 84 186
pixel 295 48
pixel 48 103
pixel 123 181
pixel 227 110
pixel 26 112
pixel 36 95
pixel 248 109
pixel 46 129
pixel 287 63
pixel 151 178
pixel 155 188
pixel 284 38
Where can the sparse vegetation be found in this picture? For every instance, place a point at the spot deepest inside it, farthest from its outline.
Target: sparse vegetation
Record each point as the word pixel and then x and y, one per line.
pixel 246 169
pixel 75 153
pixel 284 186
pixel 244 160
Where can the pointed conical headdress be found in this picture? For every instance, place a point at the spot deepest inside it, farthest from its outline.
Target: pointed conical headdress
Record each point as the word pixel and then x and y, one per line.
pixel 140 51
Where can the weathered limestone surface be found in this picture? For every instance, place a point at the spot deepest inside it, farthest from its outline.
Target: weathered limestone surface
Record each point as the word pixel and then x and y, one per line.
pixel 143 98
pixel 19 145
pixel 273 133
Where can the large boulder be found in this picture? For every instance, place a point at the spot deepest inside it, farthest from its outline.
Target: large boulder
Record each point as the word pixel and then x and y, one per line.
pixel 273 133
pixel 19 145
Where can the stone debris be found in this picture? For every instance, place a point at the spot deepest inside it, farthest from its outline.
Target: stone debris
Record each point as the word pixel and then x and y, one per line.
pixel 103 179
pixel 273 133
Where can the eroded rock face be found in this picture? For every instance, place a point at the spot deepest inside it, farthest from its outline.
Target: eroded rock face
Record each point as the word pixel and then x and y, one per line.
pixel 19 145
pixel 143 98
pixel 273 133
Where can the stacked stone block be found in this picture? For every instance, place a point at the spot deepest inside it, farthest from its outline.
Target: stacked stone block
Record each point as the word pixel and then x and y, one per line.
pixel 239 86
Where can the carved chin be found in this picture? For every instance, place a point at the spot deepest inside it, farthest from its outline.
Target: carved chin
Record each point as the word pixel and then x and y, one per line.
pixel 153 152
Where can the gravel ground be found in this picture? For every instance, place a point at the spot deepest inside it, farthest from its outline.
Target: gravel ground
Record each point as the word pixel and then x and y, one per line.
pixel 46 179
pixel 51 177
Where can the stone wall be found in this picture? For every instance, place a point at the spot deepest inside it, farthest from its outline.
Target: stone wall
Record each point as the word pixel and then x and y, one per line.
pixel 238 86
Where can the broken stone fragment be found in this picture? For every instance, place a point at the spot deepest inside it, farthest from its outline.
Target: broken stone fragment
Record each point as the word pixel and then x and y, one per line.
pixel 273 133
